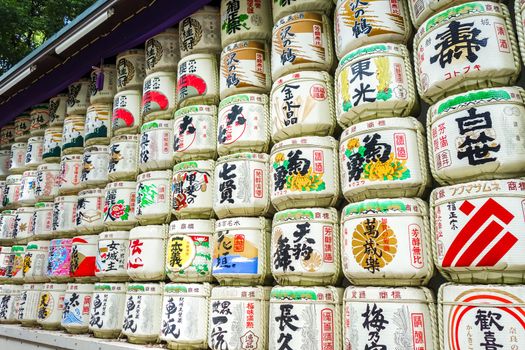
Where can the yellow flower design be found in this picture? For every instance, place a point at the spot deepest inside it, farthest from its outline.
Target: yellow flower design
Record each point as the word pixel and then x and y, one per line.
pixel 279 157
pixel 308 181
pixel 392 169
pixel 353 143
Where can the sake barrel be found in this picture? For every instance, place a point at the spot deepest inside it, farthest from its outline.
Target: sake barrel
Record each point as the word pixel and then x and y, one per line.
pixel 77 299
pixel 65 215
pixel 470 245
pixel 162 51
pixel 22 125
pixel 200 32
pixel 95 164
pixel 35 151
pixel 481 316
pixel 243 124
pixel 383 158
pixel 194 130
pixel 119 205
pixel 73 134
pixel 131 70
pixel 126 118
pixel 477 136
pixel 305 247
pixel 70 174
pixel 238 317
pixel 39 119
pixel 189 250
pixel 302 41
pixel 153 199
pixel 158 99
pixel 12 191
pixel 155 147
pixel 112 256
pixel 361 23
pixel 10 294
pixel 421 10
pixel 302 104
pixel 123 160
pixel 241 185
pixel 245 67
pixel 6 264
pixel 240 251
pixel 454 51
pixel 386 242
pixel 78 97
pixel 17 158
pixel 47 181
pixel 181 326
pixel 23 217
pixel 142 316
pixel 147 245
pixel 375 81
pixel 407 316
pixel 18 253
pixel 3 187
pixel 98 124
pixel 283 8
pixel 304 172
pixel 5 162
pixel 52 145
pixel 107 309
pixel 192 189
pixel 245 19
pixel 35 261
pixel 28 304
pixel 90 211
pixel 28 188
pixel 7 136
pixel 57 110
pixel 51 306
pixel 42 223
pixel 84 250
pixel 59 259
pixel 103 84
pixel 198 80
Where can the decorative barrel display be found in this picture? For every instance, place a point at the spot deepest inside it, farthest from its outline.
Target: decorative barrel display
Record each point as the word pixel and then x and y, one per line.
pixel 158 99
pixel 147 245
pixel 119 205
pixel 162 51
pixel 65 216
pixel 84 251
pixel 51 305
pixel 131 70
pixel 90 211
pixel 70 174
pixel 78 97
pixel 198 80
pixel 107 309
pixel 95 163
pixel 59 260
pixel 35 261
pixel 194 132
pixel 112 256
pixel 47 181
pixel 192 189
pixel 57 110
pixel 77 299
pixel 97 129
pixel 156 148
pixel 200 32
pixel 142 316
pixel 126 118
pixel 153 199
pixel 103 85
pixel 123 160
pixel 245 19
pixel 52 145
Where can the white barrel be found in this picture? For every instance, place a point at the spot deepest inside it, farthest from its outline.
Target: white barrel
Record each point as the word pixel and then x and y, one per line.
pixel 159 99
pixel 27 310
pixel 477 229
pixel 77 299
pixel 51 306
pixel 238 318
pixel 57 110
pixel 22 125
pixel 131 70
pixel 12 191
pixel 245 68
pixel 240 251
pixel 73 134
pixel 362 23
pixel 103 84
pixel 302 41
pixel 59 259
pixel 10 294
pixel 153 199
pixel 162 51
pixel 70 174
pixel 192 189
pixel 42 222
pixel 126 118
pixel 47 181
pixel 6 264
pixel 5 162
pixel 90 211
pixel 28 188
pixel 200 32
pixel 302 104
pixel 119 203
pixel 147 246
pixel 95 164
pixel 383 158
pixel 156 147
pixel 107 309
pixel 243 124
pixel 112 256
pixel 97 129
pixel 7 136
pixel 406 315
pixel 283 8
pixel 185 315
pixel 386 242
pixel 84 251
pixel 23 218
pixel 142 316
pixel 123 161
pixel 481 316
pixel 304 172
pixel 316 311
pixel 78 97
pixel 305 247
pixel 65 215
pixel 52 145
pixel 198 80
pixel 189 250
pixel 194 130
pixel 421 10
pixel 35 150
pixel 455 52
pixel 18 253
pixel 35 261
pixel 241 185
pixel 39 119
pixel 477 135
pixel 375 81
pixel 245 19
pixel 18 158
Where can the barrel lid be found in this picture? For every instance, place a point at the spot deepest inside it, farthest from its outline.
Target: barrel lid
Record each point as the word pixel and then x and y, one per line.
pixel 37 245
pixel 188 289
pixel 17 249
pixel 156 124
pixel 97 192
pixel 385 206
pixel 61 241
pixel 60 287
pixel 121 184
pixel 19 145
pixel 155 175
pixel 297 16
pixel 305 141
pixel 44 205
pixel 99 105
pixel 260 44
pixel 29 173
pixel 149 231
pixel 125 137
pixel 110 287
pixel 145 288
pixel 256 157
pixel 48 166
pixel 75 118
pixel 11 288
pixel 241 293
pixel 243 98
pixel 195 109
pixel 37 287
pixel 327 295
pixel 86 239
pixel 79 287
pixel 366 51
pixel 195 165
pixel 36 139
pixel 126 93
pixel 367 127
pixel 97 148
pixel 387 294
pixel 25 210
pixel 303 75
pixel 71 157
pixel 478 189
pixel 485 294
pixel 315 214
pixel 160 73
pixel 241 223
pixel 192 226
pixel 198 56
pixel 69 199
pixel 53 130
pixel 113 235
